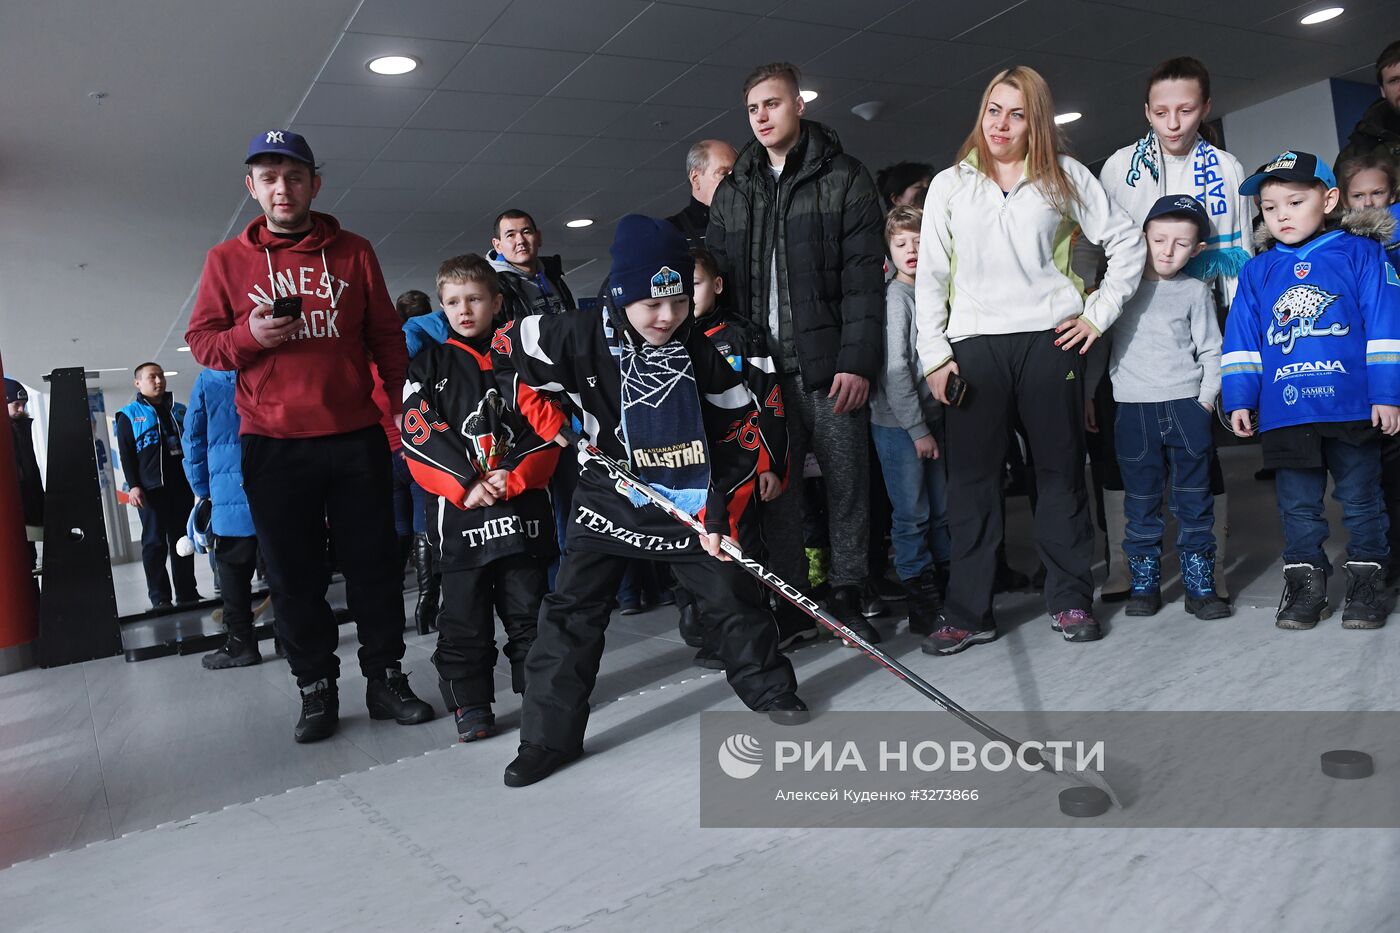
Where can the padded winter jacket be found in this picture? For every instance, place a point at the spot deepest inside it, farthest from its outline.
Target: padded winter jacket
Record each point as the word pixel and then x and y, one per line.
pixel 825 219
pixel 213 454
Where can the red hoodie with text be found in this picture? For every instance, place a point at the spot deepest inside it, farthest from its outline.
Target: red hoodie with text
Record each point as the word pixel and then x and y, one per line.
pixel 320 382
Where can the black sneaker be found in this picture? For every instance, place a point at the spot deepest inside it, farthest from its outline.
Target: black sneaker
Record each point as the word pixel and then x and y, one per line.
pixel 787 710
pixel 1304 599
pixel 188 599
pixel 535 763
pixel 1368 603
pixel 871 604
pixel 845 606
pixel 390 697
pixel 235 652
pixel 794 626
pixel 630 607
pixel 478 722
pixel 320 712
pixel 949 639
pixel 689 626
pixel 708 660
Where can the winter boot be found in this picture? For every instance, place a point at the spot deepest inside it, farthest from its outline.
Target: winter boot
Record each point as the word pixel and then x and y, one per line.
pixel 845 606
pixel 1119 582
pixel 1222 532
pixel 239 650
pixel 1198 578
pixel 389 696
pixel 405 552
pixel 1146 594
pixel 477 722
pixel 429 581
pixel 1368 602
pixel 924 603
pixel 689 624
pixel 1304 600
pixel 320 712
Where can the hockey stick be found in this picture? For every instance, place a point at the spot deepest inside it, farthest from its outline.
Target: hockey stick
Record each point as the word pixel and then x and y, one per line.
pixel 626 480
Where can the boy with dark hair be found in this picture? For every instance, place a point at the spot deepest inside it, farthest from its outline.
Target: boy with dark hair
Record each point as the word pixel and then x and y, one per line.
pixel 653 392
pixel 148 442
pixel 1312 345
pixel 530 283
pixel 472 452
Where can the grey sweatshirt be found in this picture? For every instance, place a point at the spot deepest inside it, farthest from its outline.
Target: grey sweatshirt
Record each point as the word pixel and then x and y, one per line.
pixel 1167 343
pixel 902 398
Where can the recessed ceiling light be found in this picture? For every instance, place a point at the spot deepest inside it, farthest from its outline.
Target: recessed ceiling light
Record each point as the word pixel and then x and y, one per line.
pixel 393 65
pixel 1322 16
pixel 182 349
pixel 808 96
pixel 1062 118
pixel 581 222
pixel 172 372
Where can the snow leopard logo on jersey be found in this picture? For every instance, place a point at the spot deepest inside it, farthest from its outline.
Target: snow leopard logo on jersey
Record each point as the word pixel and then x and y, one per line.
pixel 1296 313
pixel 487 432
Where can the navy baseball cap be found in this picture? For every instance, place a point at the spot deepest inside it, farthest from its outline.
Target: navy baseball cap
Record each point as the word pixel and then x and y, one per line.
pixel 1180 205
pixel 14 392
pixel 1290 166
pixel 283 143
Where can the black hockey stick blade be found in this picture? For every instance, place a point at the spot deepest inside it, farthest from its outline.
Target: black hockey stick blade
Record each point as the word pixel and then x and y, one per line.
pixel 624 480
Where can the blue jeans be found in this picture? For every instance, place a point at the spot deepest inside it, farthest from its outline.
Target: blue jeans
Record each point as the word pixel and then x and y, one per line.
pixel 918 491
pixel 1356 478
pixel 1165 446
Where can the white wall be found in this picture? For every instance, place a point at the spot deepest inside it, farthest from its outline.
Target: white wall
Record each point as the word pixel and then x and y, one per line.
pixel 1301 120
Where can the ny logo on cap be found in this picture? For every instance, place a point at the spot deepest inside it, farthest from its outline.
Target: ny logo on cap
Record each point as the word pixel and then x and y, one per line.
pixel 275 136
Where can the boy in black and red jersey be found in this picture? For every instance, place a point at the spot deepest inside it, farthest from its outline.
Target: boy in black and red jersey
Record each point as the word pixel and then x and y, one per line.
pixel 490 518
pixel 653 392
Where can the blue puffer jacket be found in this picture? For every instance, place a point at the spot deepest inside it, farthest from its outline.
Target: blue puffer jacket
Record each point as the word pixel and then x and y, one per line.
pixel 424 331
pixel 213 454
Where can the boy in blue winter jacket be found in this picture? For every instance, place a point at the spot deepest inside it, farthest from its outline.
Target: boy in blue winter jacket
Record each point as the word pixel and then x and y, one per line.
pixel 1312 345
pixel 213 466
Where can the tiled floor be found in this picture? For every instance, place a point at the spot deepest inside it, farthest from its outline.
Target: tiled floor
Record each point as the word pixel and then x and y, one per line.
pixel 397 828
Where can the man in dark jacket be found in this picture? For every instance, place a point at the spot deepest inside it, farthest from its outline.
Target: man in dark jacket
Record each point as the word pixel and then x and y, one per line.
pixel 1379 126
pixel 530 283
pixel 797 231
pixel 31 481
pixel 148 441
pixel 707 164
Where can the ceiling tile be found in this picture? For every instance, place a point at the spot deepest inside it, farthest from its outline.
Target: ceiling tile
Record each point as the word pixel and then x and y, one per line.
pixel 471 203
pixel 546 206
pixel 446 222
pixel 348 63
pixel 654 121
pixel 503 69
pixel 341 173
pixel 417 175
pixel 568 116
pixel 463 110
pixel 505 177
pixel 948 64
pixel 582 27
pixel 939 19
pixel 356 105
pixel 870 55
pixel 1028 24
pixel 611 77
pixel 433 19
pixel 530 148
pixel 609 150
pixel 678 33
pixel 773 40
pixel 704 86
pixel 580 177
pixel 344 142
pixel 371 224
pixel 437 145
pixel 647 182
pixel 381 199
pixel 839 12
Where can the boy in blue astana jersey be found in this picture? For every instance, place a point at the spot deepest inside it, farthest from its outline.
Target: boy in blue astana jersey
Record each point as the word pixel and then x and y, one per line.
pixel 1312 345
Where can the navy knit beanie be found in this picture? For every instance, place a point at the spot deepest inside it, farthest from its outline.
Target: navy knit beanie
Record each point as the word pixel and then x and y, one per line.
pixel 14 392
pixel 649 260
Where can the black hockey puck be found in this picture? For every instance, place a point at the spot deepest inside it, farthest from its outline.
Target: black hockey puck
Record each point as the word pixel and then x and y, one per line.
pixel 1347 765
pixel 1084 801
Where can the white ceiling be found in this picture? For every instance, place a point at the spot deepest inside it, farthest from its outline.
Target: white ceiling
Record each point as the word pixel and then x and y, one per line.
pixel 566 108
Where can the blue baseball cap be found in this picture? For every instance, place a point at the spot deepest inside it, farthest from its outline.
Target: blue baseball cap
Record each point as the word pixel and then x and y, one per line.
pixel 1180 205
pixel 1301 167
pixel 283 143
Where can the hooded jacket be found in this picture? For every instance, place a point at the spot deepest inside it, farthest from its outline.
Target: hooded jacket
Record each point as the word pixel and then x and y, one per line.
pixel 1378 128
pixel 1314 333
pixel 213 454
pixel 824 220
pixel 544 293
pixel 577 355
pixel 318 383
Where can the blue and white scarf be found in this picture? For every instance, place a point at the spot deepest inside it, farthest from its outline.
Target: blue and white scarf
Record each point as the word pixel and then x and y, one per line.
pixel 1217 186
pixel 662 425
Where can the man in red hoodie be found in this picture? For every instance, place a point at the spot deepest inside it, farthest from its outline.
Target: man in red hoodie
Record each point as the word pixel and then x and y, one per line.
pixel 299 309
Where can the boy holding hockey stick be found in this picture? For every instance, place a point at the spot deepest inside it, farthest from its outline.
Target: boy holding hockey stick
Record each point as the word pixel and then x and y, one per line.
pixel 652 391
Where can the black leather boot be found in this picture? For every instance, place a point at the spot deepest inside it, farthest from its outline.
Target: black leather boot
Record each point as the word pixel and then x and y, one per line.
pixel 429 582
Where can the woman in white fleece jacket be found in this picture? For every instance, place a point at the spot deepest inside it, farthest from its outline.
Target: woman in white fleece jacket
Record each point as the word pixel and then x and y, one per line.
pixel 998 305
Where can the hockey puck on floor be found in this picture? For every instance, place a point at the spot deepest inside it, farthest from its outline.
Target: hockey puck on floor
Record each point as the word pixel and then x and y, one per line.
pixel 1347 765
pixel 1084 801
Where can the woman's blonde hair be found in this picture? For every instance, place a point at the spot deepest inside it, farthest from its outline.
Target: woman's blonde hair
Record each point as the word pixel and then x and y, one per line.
pixel 1044 144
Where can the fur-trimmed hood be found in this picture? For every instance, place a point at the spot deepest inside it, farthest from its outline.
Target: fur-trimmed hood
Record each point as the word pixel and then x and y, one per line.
pixel 1374 223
